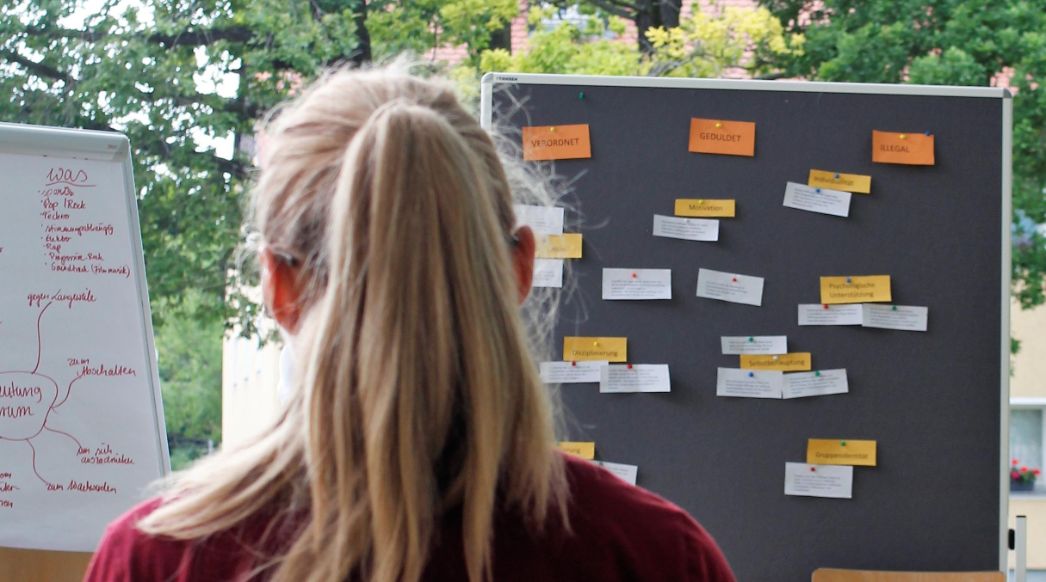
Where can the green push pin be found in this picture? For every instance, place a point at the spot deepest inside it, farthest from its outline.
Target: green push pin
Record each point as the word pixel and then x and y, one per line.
pixel 751 339
pixel 817 374
pixel 893 308
pixel 581 95
pixel 842 443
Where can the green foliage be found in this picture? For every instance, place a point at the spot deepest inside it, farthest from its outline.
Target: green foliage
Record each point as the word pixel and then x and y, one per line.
pixel 952 42
pixel 190 369
pixel 421 25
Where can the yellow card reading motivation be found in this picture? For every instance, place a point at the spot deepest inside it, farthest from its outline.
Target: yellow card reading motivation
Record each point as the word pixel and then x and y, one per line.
pixel 556 142
pixel 864 289
pixel 719 136
pixel 704 207
pixel 795 362
pixel 840 452
pixel 856 183
pixel 580 349
pixel 585 450
pixel 559 246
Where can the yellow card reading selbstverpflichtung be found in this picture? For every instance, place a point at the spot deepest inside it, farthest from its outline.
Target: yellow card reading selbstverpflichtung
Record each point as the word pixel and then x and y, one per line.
pixel 854 289
pixel 704 207
pixel 585 450
pixel 856 183
pixel 559 246
pixel 840 452
pixel 581 349
pixel 794 362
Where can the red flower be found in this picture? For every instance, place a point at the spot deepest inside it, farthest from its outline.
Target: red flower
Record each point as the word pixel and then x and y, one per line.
pixel 1035 472
pixel 1014 462
pixel 1015 475
pixel 1024 469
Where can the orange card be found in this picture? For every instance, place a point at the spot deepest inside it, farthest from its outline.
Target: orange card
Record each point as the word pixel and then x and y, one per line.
pixel 556 142
pixel 718 136
pixel 890 147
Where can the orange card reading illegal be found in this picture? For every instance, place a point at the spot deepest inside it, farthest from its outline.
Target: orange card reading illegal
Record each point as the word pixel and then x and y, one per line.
pixel 720 136
pixel 556 142
pixel 914 149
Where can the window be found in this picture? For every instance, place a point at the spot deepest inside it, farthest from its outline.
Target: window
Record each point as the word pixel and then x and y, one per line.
pixel 1026 436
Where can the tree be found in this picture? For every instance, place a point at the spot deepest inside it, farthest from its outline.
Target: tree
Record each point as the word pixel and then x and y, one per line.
pixel 644 14
pixel 955 42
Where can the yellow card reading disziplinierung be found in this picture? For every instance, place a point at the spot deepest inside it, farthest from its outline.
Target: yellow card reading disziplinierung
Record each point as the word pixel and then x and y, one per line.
pixel 581 349
pixel 559 246
pixel 856 183
pixel 705 207
pixel 840 452
pixel 585 450
pixel 855 289
pixel 794 362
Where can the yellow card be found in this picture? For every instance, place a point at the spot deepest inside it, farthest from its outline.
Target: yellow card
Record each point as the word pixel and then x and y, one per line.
pixel 795 362
pixel 719 136
pixel 559 246
pixel 556 142
pixel 580 349
pixel 580 449
pixel 914 149
pixel 865 289
pixel 840 452
pixel 704 207
pixel 856 183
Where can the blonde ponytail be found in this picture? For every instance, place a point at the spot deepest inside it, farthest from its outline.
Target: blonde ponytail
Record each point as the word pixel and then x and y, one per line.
pixel 418 393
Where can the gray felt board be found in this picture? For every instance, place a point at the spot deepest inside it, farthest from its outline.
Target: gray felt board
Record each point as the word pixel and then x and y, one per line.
pixel 931 400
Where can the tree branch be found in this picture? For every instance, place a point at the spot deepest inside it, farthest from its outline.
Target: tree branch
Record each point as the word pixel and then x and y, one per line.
pixel 183 38
pixel 39 69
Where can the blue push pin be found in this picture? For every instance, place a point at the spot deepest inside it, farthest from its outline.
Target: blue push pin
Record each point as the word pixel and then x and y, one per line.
pixel 849 280
pixel 818 190
pixel 837 175
pixel 751 374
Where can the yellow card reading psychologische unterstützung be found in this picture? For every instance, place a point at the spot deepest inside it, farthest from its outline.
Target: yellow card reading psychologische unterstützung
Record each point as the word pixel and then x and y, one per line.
pixel 556 142
pixel 794 362
pixel 705 207
pixel 559 246
pixel 585 450
pixel 855 289
pixel 581 349
pixel 856 183
pixel 840 452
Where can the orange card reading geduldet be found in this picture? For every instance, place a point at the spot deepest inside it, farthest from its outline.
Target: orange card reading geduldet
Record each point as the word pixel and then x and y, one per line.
pixel 585 450
pixel 556 142
pixel 583 349
pixel 889 147
pixel 718 136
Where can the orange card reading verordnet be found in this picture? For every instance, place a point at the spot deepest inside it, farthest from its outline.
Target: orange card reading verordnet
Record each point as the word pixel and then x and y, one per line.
pixel 890 147
pixel 718 136
pixel 556 142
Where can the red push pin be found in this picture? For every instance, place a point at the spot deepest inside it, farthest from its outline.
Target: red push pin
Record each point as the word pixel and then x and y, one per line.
pixel 813 469
pixel 826 306
pixel 635 276
pixel 573 364
pixel 629 366
pixel 733 279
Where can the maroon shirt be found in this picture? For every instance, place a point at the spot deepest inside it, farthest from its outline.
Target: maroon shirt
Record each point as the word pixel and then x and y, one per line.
pixel 618 533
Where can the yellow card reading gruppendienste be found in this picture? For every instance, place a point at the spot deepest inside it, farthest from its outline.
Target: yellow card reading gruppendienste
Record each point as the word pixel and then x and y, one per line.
pixel 585 450
pixel 794 362
pixel 854 289
pixel 559 246
pixel 856 183
pixel 840 452
pixel 581 349
pixel 704 207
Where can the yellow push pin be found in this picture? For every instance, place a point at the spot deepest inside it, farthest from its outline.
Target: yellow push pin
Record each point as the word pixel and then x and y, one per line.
pixel 595 344
pixel 718 124
pixel 903 136
pixel 700 202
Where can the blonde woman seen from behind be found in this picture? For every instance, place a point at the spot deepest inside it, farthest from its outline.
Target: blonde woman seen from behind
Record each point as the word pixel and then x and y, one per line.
pixel 419 443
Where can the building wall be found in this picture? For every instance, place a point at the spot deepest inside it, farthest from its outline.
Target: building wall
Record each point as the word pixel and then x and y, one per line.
pixel 1028 384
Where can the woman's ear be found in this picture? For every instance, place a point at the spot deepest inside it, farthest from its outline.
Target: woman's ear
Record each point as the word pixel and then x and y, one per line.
pixel 523 249
pixel 279 282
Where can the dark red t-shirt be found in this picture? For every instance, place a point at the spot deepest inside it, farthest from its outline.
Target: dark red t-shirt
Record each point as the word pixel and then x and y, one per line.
pixel 618 533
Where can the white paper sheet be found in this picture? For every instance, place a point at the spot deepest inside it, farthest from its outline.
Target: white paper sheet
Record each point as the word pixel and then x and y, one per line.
pixel 730 287
pixel 633 284
pixel 701 229
pixel 834 481
pixel 571 372
pixel 816 383
pixel 748 383
pixel 635 378
pixel 835 314
pixel 902 317
pixel 548 273
pixel 813 199
pixel 760 345
pixel 541 219
pixel 626 473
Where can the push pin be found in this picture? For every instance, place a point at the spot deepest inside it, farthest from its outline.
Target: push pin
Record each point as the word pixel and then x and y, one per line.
pixel 842 443
pixel 635 276
pixel 849 280
pixel 718 125
pixel 825 306
pixel 813 469
pixel 893 308
pixel 751 339
pixel 751 374
pixel 581 95
pixel 552 129
pixel 629 366
pixel 775 358
pixel 573 363
pixel 700 202
pixel 595 344
pixel 818 190
pixel 733 279
pixel 837 175
pixel 927 132
pixel 817 374
pixel 903 136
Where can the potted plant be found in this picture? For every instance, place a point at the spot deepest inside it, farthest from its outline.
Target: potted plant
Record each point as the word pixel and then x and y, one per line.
pixel 1021 477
